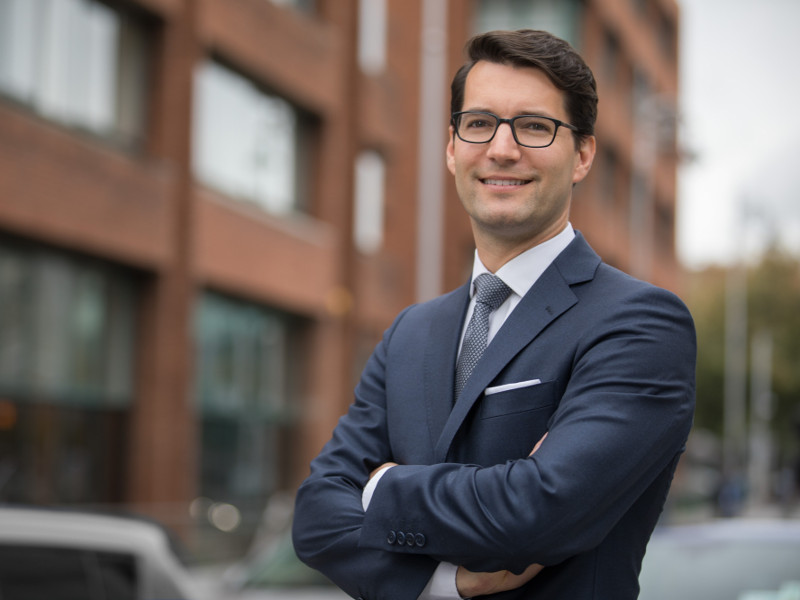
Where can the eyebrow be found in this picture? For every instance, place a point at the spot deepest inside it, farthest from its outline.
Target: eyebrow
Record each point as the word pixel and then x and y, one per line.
pixel 540 113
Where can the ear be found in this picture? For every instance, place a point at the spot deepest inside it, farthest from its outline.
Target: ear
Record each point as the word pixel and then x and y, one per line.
pixel 450 152
pixel 585 156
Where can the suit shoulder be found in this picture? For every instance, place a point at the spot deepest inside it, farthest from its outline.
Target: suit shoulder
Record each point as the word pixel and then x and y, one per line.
pixel 627 283
pixel 620 287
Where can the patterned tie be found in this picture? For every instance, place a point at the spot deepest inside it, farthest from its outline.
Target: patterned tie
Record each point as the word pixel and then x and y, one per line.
pixel 490 293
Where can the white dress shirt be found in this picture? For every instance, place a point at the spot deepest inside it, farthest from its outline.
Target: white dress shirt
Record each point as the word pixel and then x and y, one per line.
pixel 520 273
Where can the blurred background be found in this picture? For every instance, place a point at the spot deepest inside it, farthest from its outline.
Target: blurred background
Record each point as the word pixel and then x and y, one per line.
pixel 210 210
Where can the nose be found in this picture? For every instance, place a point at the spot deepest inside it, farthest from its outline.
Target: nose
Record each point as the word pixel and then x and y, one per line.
pixel 503 146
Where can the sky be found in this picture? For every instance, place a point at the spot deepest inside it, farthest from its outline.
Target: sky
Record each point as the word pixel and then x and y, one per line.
pixel 740 124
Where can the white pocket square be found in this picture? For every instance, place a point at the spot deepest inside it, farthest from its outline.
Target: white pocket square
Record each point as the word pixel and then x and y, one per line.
pixel 511 386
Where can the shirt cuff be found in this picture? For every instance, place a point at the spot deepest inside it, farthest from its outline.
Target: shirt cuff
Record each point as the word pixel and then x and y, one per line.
pixel 369 489
pixel 442 585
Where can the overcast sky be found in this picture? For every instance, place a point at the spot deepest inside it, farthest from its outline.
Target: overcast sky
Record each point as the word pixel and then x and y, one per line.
pixel 740 107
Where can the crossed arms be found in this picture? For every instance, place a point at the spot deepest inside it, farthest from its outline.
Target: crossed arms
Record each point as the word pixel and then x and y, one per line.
pixel 622 417
pixel 470 583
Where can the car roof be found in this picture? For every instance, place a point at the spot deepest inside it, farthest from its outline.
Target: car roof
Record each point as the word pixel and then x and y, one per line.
pixel 730 529
pixel 720 560
pixel 58 527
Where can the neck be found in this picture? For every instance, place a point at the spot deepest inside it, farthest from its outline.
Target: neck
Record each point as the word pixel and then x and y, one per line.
pixel 495 251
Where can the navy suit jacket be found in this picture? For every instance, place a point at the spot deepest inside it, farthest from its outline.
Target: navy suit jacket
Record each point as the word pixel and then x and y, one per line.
pixel 614 358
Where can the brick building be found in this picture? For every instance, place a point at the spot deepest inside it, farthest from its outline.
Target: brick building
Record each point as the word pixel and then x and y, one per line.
pixel 211 209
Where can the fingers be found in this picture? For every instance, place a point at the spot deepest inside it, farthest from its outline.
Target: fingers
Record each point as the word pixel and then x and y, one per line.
pixel 469 583
pixel 538 444
pixel 387 464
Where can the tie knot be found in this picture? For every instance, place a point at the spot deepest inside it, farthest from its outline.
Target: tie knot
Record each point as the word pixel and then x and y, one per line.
pixel 491 290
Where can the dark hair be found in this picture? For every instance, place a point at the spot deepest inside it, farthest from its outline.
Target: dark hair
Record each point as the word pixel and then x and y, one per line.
pixel 541 50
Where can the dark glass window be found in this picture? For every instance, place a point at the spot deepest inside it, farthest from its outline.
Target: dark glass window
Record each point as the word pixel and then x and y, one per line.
pixel 560 17
pixel 36 573
pixel 304 6
pixel 66 366
pixel 246 365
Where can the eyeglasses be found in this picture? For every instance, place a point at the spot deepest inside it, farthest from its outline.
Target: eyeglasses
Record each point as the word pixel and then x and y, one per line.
pixel 531 131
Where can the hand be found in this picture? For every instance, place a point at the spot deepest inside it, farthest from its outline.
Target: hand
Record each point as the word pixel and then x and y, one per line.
pixel 471 584
pixel 538 444
pixel 386 464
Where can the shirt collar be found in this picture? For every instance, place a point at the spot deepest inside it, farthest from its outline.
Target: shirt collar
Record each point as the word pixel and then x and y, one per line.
pixel 521 272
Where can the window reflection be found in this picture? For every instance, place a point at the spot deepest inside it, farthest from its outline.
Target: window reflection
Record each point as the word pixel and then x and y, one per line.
pixel 80 62
pixel 306 6
pixel 66 364
pixel 372 36
pixel 246 142
pixel 370 175
pixel 560 17
pixel 243 386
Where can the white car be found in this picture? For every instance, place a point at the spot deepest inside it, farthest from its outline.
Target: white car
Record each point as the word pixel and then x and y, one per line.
pixel 732 559
pixel 68 555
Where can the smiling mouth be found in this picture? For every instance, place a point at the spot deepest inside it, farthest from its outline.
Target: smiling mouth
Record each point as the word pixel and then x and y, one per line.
pixel 505 182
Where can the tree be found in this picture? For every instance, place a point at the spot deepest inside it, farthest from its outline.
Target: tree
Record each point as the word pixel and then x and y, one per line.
pixel 773 306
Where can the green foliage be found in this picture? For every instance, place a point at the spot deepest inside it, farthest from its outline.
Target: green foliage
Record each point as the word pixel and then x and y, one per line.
pixel 707 302
pixel 773 305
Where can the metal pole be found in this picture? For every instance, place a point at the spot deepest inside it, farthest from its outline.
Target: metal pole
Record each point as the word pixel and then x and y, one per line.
pixel 759 467
pixel 432 128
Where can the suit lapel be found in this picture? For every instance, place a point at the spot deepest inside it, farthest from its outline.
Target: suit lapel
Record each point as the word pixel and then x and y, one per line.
pixel 440 359
pixel 549 298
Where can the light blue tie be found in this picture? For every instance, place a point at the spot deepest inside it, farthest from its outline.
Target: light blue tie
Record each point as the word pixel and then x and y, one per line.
pixel 490 292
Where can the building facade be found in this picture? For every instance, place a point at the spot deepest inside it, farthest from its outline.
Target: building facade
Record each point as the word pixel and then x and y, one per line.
pixel 211 209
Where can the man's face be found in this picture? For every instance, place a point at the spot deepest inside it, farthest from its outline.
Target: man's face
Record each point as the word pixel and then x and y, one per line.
pixel 515 195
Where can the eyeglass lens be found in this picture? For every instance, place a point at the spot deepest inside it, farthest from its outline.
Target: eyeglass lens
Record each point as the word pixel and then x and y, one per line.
pixel 532 131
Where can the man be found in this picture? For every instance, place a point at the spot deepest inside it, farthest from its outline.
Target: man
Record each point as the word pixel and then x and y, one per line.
pixel 538 468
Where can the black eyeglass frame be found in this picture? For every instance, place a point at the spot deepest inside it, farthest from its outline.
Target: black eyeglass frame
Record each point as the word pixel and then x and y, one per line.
pixel 454 118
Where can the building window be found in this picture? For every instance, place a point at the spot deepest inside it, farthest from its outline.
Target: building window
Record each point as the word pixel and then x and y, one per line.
pixel 559 17
pixel 82 63
pixel 249 144
pixel 372 31
pixel 66 329
pixel 667 36
pixel 609 177
pixel 370 174
pixel 665 230
pixel 305 6
pixel 66 367
pixel 245 365
pixel 641 6
pixel 612 57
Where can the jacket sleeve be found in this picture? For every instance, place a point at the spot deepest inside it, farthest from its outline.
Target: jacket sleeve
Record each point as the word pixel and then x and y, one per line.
pixel 328 512
pixel 621 423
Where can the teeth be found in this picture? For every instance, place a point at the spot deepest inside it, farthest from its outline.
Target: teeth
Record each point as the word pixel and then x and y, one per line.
pixel 503 182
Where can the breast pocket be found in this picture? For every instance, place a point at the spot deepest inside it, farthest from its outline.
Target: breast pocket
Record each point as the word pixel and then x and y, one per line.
pixel 508 424
pixel 516 400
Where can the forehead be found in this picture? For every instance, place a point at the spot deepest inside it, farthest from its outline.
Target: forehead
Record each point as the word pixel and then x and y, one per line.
pixel 509 90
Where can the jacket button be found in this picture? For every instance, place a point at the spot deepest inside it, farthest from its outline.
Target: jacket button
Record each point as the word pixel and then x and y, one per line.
pixel 391 538
pixel 401 538
pixel 419 540
pixel 410 537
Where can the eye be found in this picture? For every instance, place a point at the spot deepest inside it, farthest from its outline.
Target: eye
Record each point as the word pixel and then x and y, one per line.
pixel 535 125
pixel 477 122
